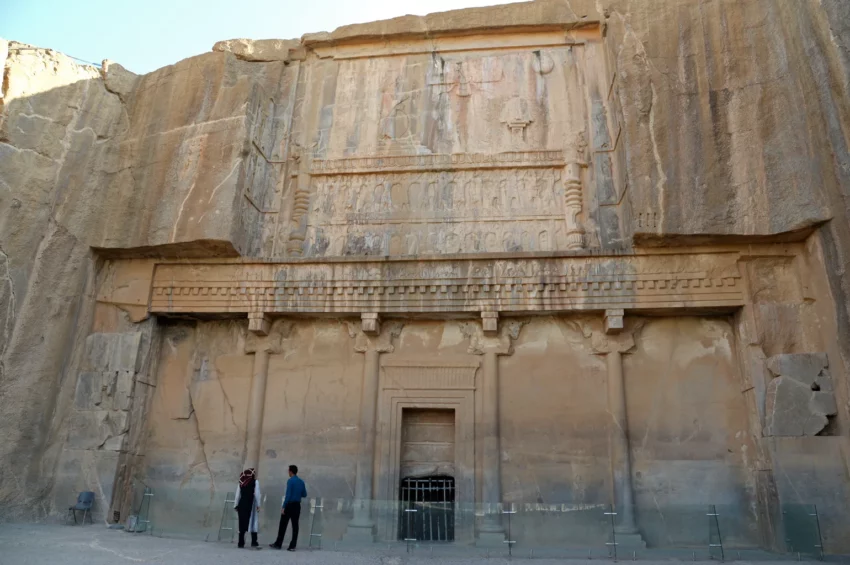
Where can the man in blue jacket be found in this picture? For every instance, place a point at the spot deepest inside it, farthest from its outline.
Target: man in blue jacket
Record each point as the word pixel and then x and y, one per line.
pixel 291 510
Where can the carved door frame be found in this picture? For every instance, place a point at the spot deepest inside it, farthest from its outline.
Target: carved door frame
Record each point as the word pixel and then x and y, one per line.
pixel 430 384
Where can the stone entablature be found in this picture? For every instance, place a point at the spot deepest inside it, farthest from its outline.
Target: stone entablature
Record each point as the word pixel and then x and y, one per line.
pixel 516 285
pixel 435 162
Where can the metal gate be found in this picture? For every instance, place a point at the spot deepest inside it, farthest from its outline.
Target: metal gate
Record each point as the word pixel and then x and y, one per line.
pixel 427 509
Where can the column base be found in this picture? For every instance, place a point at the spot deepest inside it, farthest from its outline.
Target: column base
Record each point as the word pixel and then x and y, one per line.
pixel 629 541
pixel 490 539
pixel 359 534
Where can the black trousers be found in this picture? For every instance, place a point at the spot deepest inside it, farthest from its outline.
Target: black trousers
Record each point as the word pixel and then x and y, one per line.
pixel 254 542
pixel 244 514
pixel 292 511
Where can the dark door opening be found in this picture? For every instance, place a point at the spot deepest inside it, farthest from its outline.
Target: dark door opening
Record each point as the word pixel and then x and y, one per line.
pixel 427 509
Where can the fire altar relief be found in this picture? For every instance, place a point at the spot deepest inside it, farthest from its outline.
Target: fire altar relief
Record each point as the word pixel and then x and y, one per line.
pixel 517 285
pixel 429 204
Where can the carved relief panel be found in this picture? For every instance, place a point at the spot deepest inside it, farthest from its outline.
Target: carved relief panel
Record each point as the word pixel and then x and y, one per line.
pixel 450 211
pixel 439 153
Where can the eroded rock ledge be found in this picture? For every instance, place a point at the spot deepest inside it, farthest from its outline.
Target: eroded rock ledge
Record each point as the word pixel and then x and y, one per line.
pixel 539 15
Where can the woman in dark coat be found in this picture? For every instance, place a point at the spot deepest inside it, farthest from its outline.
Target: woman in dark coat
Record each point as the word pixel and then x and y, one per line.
pixel 247 505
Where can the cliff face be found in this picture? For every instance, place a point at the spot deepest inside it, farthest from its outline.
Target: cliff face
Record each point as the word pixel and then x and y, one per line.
pixel 93 163
pixel 59 141
pixel 735 122
pixel 709 121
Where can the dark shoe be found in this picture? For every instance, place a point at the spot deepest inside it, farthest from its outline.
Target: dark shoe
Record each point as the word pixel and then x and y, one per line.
pixel 274 546
pixel 290 549
pixel 241 546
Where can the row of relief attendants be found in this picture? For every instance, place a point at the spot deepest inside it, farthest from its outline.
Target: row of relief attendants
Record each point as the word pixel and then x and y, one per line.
pixel 247 505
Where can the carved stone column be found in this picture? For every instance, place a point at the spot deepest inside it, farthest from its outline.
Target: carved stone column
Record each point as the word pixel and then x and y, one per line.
pixel 300 206
pixel 262 342
pixel 490 340
pixel 491 492
pixel 573 196
pixel 572 206
pixel 371 341
pixel 613 343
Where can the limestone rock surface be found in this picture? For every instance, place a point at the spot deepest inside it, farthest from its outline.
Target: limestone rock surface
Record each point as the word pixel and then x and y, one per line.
pixel 734 122
pixel 118 79
pixel 801 396
pixel 552 14
pixel 805 367
pixel 725 121
pixel 259 49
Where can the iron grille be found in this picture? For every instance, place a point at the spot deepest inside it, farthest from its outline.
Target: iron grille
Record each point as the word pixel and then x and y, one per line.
pixel 427 509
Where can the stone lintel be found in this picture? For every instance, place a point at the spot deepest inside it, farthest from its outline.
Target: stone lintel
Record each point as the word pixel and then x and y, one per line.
pixel 259 323
pixel 451 285
pixel 614 321
pixel 490 323
pixel 370 323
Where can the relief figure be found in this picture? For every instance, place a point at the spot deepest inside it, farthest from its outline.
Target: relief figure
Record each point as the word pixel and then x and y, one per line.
pixel 470 242
pixel 396 245
pixel 456 196
pixel 411 241
pixel 414 198
pixel 452 243
pixel 362 199
pixel 399 198
pixel 473 195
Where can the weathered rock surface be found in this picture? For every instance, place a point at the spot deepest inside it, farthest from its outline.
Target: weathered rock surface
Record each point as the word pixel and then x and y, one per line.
pixel 805 367
pixel 182 165
pixel 801 396
pixel 734 122
pixel 674 122
pixel 551 14
pixel 260 49
pixel 58 153
pixel 118 79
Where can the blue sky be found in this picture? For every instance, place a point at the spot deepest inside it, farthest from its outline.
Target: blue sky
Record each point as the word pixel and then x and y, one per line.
pixel 143 36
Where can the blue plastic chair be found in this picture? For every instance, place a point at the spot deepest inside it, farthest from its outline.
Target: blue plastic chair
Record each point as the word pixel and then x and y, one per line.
pixel 84 504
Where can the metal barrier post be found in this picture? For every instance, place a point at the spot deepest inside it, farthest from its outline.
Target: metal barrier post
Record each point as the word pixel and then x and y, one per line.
pixel 819 544
pixel 221 527
pixel 147 497
pixel 613 543
pixel 409 512
pixel 317 507
pixel 712 521
pixel 509 541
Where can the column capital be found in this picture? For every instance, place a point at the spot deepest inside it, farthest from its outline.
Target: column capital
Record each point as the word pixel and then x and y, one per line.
pixel 259 323
pixel 614 321
pixel 603 343
pixel 490 323
pixel 370 323
pixel 271 341
pixel 500 344
pixel 372 335
pixel 617 336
